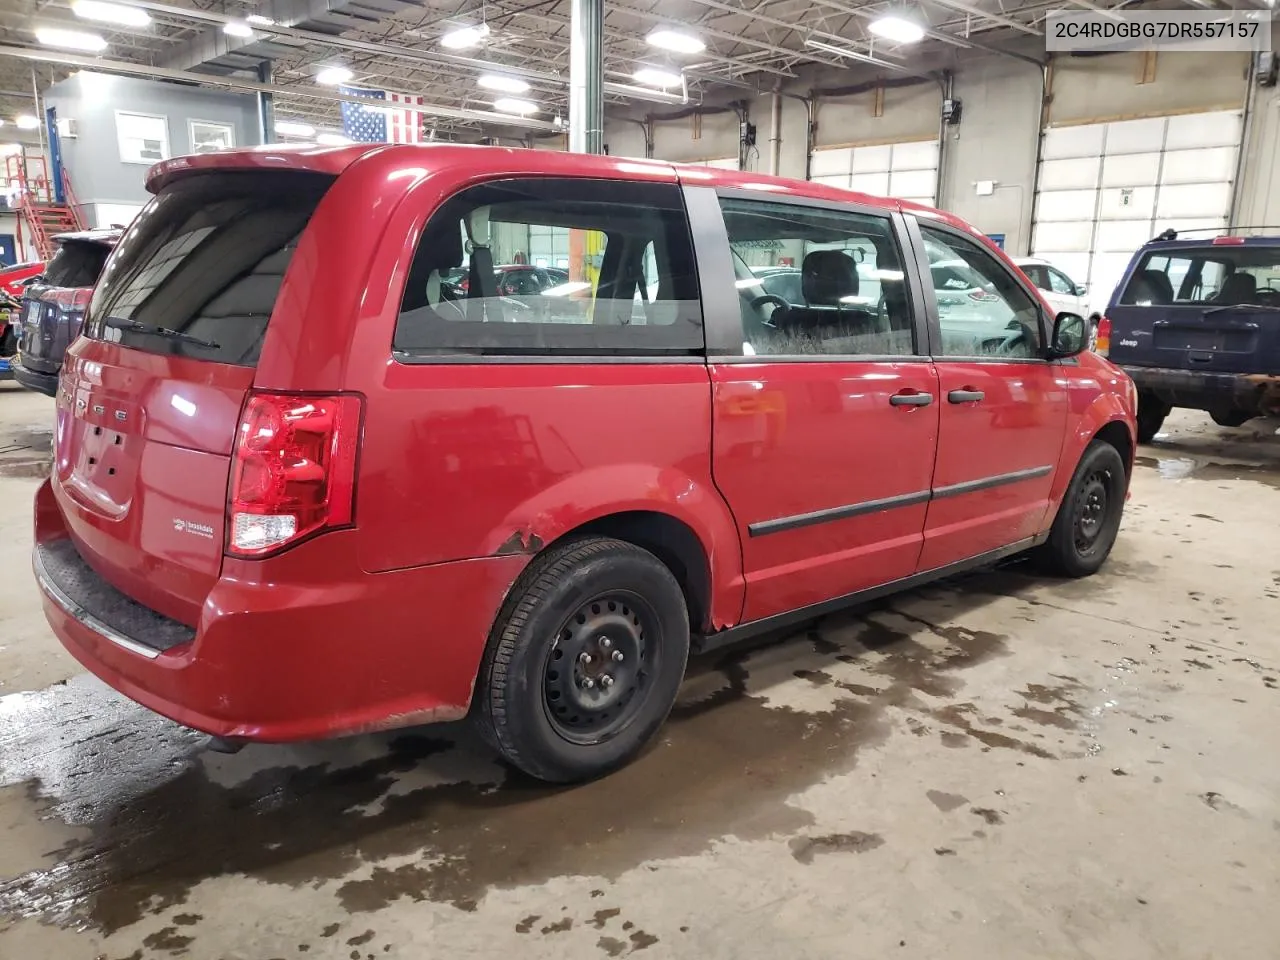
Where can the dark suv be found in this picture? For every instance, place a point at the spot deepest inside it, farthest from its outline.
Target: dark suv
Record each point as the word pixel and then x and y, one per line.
pixel 53 308
pixel 1196 323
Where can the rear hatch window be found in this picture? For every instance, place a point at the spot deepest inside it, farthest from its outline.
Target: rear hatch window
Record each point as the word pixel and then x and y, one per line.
pixel 198 273
pixel 76 264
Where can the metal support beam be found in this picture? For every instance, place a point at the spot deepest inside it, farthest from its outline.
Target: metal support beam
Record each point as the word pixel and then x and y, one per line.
pixel 976 11
pixel 266 106
pixel 586 76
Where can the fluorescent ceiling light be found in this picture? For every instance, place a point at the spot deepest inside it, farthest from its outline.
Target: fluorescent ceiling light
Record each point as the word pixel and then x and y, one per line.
pixel 332 140
pixel 110 13
pixel 332 76
pixel 26 122
pixel 675 41
pixel 898 28
pixel 657 78
pixel 70 39
pixel 492 81
pixel 514 105
pixel 237 29
pixel 292 128
pixel 259 20
pixel 463 37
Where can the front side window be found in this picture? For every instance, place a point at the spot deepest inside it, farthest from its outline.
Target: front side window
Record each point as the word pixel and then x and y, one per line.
pixel 1211 276
pixel 812 280
pixel 982 311
pixel 1059 283
pixel 1037 275
pixel 614 273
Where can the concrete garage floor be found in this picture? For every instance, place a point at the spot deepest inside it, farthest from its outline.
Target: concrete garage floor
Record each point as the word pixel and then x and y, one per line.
pixel 1000 766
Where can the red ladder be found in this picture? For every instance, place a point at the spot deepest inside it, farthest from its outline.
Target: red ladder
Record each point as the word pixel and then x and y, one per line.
pixel 27 180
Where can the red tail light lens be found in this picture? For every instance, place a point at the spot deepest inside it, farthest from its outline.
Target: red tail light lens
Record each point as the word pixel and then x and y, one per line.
pixel 293 470
pixel 1102 344
pixel 982 295
pixel 69 300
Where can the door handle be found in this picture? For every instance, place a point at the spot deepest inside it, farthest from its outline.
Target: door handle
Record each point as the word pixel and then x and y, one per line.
pixel 911 399
pixel 965 396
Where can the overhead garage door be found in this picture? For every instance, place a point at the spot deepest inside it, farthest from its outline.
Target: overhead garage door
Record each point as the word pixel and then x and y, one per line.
pixel 1107 188
pixel 725 163
pixel 907 171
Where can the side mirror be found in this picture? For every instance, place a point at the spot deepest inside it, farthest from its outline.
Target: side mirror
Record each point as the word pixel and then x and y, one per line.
pixel 1070 336
pixel 1081 289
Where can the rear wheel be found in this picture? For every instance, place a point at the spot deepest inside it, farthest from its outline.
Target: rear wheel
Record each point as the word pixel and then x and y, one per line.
pixel 1230 418
pixel 1088 520
pixel 1151 413
pixel 584 662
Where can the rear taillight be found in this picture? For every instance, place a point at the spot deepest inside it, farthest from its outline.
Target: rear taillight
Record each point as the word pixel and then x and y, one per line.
pixel 293 469
pixel 982 296
pixel 72 300
pixel 1102 343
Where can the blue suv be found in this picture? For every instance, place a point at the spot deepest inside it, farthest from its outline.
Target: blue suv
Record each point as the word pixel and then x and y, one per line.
pixel 1196 323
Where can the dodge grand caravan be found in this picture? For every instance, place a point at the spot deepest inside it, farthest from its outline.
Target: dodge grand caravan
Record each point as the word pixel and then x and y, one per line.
pixel 302 488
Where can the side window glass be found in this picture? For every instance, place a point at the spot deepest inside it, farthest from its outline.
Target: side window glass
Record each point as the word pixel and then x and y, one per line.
pixel 617 258
pixel 982 311
pixel 1036 274
pixel 1059 283
pixel 813 280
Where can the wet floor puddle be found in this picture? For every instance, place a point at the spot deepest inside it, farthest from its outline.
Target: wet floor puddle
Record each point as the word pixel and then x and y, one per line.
pixel 1182 467
pixel 430 816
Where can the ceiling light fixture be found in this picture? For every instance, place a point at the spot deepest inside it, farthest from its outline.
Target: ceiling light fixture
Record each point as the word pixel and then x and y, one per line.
pixel 104 12
pixel 26 122
pixel 898 27
pixel 236 28
pixel 332 140
pixel 293 128
pixel 70 39
pixel 654 77
pixel 675 41
pixel 259 20
pixel 503 84
pixel 463 37
pixel 332 76
pixel 513 105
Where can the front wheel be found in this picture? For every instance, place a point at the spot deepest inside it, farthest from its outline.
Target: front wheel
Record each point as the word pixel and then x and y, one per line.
pixel 1088 520
pixel 1230 418
pixel 584 661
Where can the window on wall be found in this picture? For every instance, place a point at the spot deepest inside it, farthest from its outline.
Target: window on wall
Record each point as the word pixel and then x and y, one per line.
pixel 210 137
pixel 817 280
pixel 982 311
pixel 482 280
pixel 142 138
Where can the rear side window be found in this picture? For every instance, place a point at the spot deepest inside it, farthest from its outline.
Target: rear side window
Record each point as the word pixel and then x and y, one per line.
pixel 622 282
pixel 198 273
pixel 76 264
pixel 1215 275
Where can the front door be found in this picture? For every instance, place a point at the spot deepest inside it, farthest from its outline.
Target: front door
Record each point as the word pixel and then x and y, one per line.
pixel 825 412
pixel 1003 408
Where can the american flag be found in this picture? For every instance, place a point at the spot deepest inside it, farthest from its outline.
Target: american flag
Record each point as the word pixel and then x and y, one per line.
pixel 386 122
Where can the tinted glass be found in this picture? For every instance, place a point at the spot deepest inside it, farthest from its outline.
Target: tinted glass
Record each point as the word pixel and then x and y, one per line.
pixel 830 281
pixel 206 259
pixel 76 264
pixel 1037 275
pixel 984 312
pixel 1209 276
pixel 1059 283
pixel 628 284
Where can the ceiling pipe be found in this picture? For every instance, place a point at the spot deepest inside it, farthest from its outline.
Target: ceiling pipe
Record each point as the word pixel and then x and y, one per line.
pixel 855 55
pixel 203 79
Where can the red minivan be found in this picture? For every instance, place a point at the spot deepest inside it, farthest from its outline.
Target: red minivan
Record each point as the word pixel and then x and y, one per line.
pixel 303 488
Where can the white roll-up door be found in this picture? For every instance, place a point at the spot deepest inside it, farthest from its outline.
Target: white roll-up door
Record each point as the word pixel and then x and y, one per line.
pixel 1107 188
pixel 905 171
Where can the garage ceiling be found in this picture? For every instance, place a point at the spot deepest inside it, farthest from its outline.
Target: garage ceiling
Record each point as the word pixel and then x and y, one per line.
pixel 395 44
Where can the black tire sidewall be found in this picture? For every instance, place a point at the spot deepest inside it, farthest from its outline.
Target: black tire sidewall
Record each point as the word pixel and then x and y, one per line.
pixel 540 750
pixel 1062 540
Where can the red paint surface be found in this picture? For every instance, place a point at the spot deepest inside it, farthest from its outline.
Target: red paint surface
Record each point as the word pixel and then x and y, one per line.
pixel 466 470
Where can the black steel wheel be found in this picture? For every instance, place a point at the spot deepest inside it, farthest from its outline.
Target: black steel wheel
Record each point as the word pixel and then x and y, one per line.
pixel 584 660
pixel 1088 519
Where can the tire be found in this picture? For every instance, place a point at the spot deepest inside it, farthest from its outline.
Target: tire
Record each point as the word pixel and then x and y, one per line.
pixel 1151 413
pixel 553 714
pixel 1230 418
pixel 1088 520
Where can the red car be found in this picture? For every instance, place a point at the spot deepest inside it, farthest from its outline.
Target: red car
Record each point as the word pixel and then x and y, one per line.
pixel 302 490
pixel 13 280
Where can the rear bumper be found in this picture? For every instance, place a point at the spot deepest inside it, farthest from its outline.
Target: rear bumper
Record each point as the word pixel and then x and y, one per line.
pixel 46 383
pixel 1256 393
pixel 301 647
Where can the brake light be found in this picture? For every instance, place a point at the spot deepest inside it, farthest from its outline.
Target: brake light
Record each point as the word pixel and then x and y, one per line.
pixel 293 469
pixel 1102 343
pixel 70 300
pixel 982 296
pixel 1228 241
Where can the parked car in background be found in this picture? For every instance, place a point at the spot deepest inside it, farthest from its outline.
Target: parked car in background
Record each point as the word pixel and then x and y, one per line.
pixel 295 498
pixel 14 280
pixel 514 280
pixel 53 308
pixel 10 307
pixel 1196 323
pixel 1061 292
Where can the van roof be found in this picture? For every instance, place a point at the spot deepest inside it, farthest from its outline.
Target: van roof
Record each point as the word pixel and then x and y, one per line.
pixel 482 160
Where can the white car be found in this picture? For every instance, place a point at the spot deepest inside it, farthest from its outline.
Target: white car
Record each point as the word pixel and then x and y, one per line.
pixel 1063 293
